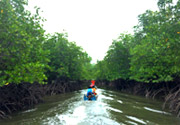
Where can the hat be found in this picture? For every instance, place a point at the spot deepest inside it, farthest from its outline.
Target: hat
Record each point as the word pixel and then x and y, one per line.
pixel 93 81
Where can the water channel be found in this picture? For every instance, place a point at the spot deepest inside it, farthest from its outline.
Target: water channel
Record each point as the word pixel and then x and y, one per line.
pixel 111 108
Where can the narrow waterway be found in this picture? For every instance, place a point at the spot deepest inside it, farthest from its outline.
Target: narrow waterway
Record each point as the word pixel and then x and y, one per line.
pixel 111 108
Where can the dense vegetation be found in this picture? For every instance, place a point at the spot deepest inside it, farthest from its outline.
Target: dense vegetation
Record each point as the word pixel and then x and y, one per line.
pixel 147 63
pixel 152 53
pixel 28 55
pixel 29 58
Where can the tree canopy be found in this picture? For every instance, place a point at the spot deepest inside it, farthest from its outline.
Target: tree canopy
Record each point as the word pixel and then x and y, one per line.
pixel 152 53
pixel 28 55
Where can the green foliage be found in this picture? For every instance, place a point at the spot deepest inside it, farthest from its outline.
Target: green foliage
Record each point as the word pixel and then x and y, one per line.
pixel 101 70
pixel 26 55
pixel 21 37
pixel 88 71
pixel 67 60
pixel 116 63
pixel 156 57
pixel 152 53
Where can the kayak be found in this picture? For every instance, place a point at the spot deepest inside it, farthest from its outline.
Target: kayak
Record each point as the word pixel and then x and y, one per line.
pixel 93 97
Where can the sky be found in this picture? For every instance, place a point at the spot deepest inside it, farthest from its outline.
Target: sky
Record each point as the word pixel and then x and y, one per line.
pixel 92 24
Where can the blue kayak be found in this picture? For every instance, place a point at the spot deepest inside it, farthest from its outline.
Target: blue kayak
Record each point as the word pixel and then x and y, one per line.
pixel 93 97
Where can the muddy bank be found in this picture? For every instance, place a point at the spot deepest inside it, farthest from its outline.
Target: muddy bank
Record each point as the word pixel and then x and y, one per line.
pixel 25 95
pixel 169 92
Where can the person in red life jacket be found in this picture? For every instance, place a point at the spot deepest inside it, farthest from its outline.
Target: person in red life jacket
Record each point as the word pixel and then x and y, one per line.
pixel 93 87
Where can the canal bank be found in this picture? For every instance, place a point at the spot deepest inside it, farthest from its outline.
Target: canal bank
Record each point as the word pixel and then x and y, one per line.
pixel 23 96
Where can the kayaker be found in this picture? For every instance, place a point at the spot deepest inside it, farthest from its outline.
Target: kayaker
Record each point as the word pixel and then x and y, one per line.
pixel 93 87
pixel 89 92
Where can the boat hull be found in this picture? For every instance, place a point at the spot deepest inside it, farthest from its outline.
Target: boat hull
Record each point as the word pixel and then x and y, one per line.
pixel 93 98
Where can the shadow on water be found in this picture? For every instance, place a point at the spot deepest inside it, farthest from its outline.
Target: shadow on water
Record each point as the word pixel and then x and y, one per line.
pixel 111 108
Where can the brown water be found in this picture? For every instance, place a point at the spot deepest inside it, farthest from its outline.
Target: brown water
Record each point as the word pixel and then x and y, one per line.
pixel 111 108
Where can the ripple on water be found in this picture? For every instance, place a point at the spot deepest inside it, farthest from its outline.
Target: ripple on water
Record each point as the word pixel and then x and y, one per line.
pixel 136 107
pixel 119 101
pixel 157 111
pixel 115 110
pixel 30 110
pixel 110 95
pixel 132 123
pixel 106 97
pixel 136 119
